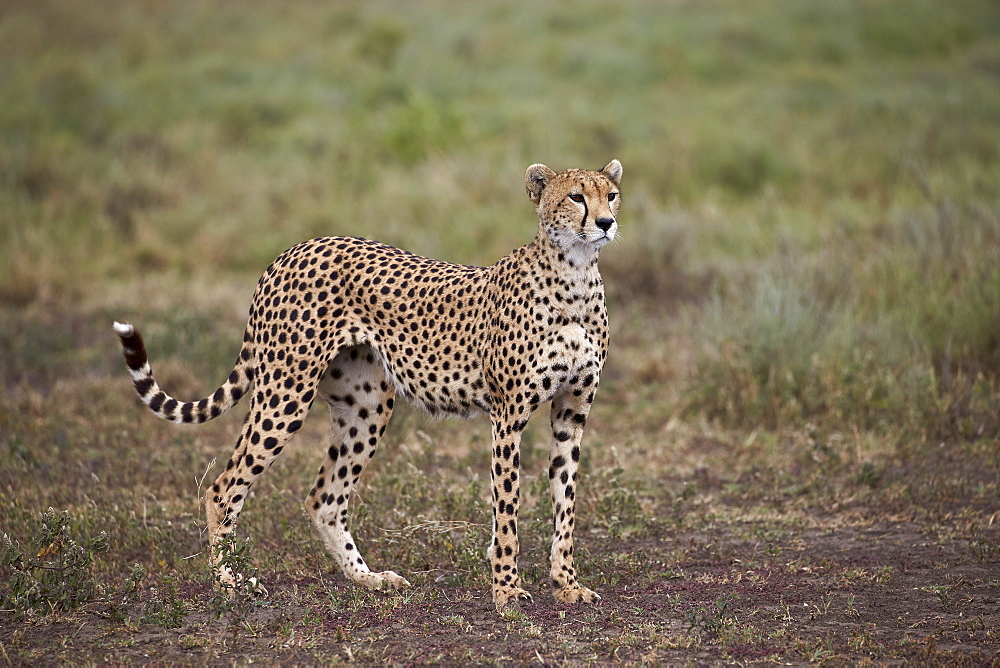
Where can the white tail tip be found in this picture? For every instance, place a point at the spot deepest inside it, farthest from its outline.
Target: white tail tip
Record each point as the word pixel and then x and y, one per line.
pixel 124 329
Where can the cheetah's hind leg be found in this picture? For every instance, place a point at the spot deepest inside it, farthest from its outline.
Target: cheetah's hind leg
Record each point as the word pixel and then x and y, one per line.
pixel 267 428
pixel 360 398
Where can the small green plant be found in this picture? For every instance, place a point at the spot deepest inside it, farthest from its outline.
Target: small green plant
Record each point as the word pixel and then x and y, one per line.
pixel 617 504
pixel 712 620
pixel 129 592
pixel 514 617
pixel 983 550
pixel 869 474
pixel 53 573
pixel 458 621
pixel 851 610
pixel 863 640
pixel 942 592
pixel 238 597
pixel 164 607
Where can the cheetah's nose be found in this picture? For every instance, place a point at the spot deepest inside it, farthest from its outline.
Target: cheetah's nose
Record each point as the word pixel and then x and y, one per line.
pixel 605 223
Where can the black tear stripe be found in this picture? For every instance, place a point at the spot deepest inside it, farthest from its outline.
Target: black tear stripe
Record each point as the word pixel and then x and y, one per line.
pixel 586 213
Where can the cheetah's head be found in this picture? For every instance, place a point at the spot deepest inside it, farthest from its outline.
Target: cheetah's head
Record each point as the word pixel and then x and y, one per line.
pixel 577 208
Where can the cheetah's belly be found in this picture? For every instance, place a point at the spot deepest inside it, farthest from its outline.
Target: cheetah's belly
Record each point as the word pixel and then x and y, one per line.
pixel 439 381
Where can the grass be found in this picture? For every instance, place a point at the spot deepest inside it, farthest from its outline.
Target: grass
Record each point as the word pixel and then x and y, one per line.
pixel 899 329
pixel 804 381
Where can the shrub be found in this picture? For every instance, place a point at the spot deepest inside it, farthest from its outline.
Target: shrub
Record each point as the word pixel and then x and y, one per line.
pixel 53 573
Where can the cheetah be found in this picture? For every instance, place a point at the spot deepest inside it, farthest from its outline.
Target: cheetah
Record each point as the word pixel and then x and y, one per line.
pixel 357 323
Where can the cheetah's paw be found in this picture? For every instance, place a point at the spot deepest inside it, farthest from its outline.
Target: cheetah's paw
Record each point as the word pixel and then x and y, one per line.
pixel 384 581
pixel 510 598
pixel 576 594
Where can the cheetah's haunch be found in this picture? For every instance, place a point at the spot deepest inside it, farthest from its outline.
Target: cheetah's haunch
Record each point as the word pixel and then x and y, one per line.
pixel 355 323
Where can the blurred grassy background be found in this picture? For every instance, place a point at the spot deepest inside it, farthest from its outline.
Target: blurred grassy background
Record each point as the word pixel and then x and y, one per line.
pixel 811 227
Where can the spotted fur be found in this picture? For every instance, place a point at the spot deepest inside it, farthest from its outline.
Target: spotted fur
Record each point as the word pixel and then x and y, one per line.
pixel 357 323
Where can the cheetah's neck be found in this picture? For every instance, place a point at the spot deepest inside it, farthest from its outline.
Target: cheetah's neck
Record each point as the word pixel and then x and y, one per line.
pixel 576 281
pixel 577 264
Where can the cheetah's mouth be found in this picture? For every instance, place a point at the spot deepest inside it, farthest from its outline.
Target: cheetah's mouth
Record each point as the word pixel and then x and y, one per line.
pixel 592 240
pixel 605 237
pixel 602 237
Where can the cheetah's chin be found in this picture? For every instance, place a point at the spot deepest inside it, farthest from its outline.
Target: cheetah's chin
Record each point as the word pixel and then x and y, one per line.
pixel 603 240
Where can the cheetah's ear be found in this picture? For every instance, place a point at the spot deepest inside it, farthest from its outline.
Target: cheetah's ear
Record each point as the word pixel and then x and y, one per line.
pixel 613 170
pixel 535 179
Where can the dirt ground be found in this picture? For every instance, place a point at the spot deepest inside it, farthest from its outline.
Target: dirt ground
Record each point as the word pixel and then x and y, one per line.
pixel 885 592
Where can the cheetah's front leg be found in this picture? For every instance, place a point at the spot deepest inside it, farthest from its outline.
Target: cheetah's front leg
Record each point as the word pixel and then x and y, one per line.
pixel 507 590
pixel 568 417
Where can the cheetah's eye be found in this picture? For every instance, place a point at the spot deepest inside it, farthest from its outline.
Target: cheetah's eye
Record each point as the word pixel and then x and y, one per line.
pixel 576 197
pixel 612 196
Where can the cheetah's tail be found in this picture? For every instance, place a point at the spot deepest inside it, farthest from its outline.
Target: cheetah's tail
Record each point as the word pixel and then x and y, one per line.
pixel 165 406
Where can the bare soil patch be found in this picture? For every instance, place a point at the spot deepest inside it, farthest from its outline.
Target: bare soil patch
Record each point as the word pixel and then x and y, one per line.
pixel 881 592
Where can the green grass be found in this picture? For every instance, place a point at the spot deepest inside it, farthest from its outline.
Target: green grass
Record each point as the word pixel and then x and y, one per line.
pixel 882 328
pixel 803 301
